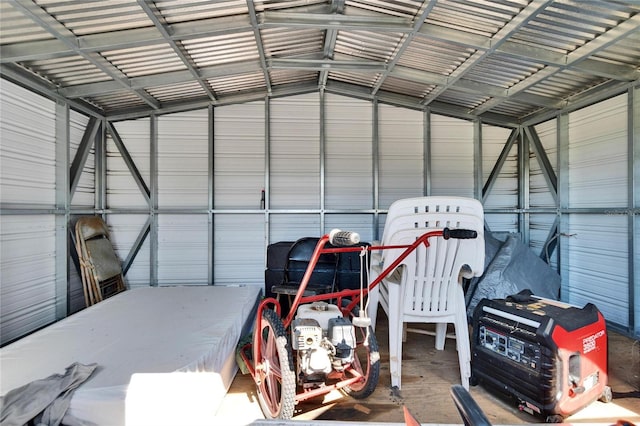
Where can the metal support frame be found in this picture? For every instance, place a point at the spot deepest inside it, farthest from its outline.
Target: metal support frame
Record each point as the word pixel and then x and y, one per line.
pixel 552 184
pixel 525 135
pixel 153 202
pixel 477 159
pixel 267 174
pixel 633 135
pixel 62 199
pixel 523 188
pixel 504 154
pixel 88 139
pixel 375 154
pixel 563 197
pixel 426 138
pixel 137 176
pixel 211 200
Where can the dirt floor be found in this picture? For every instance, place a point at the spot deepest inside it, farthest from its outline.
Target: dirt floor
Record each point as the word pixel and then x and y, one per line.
pixel 427 376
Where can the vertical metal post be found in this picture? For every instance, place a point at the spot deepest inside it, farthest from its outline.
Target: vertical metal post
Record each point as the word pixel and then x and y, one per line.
pixel 633 108
pixel 62 288
pixel 477 160
pixel 267 173
pixel 322 154
pixel 100 161
pixel 153 207
pixel 426 140
pixel 562 130
pixel 523 187
pixel 211 201
pixel 376 170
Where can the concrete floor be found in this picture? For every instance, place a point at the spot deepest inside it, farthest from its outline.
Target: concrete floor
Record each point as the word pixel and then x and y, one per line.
pixel 427 377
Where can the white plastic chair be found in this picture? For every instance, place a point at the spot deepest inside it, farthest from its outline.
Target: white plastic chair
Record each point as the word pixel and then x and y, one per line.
pixel 427 285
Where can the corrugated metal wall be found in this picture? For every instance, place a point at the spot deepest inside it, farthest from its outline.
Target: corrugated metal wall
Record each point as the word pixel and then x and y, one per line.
pixel 597 261
pixel 27 235
pixel 401 155
pixel 541 197
pixel 183 192
pixel 239 169
pixel 452 157
pixel 503 195
pixel 183 184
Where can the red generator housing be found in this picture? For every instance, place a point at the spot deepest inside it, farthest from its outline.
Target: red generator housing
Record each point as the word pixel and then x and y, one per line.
pixel 551 357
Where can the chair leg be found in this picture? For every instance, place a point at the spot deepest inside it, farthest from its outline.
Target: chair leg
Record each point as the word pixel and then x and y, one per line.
pixel 395 336
pixel 441 335
pixel 464 349
pixel 374 297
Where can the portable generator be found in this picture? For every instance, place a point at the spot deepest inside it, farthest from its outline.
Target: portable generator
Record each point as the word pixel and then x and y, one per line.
pixel 549 356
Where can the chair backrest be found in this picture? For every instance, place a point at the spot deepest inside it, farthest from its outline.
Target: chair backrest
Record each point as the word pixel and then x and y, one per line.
pixel 97 248
pixel 431 275
pixel 101 269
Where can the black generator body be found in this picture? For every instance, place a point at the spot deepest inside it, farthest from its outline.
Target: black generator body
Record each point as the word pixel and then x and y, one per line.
pixel 549 357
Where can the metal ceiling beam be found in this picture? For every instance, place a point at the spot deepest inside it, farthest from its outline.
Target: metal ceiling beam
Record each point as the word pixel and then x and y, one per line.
pixel 45 88
pixel 190 105
pixel 174 77
pixel 156 17
pixel 124 39
pixel 326 64
pixel 586 98
pixel 60 32
pixel 579 55
pixel 418 76
pixel 330 38
pixel 525 16
pixel 528 52
pixel 258 37
pixel 417 23
pixel 334 21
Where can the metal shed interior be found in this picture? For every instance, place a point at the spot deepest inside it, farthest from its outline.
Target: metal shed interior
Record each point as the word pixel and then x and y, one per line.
pixel 168 117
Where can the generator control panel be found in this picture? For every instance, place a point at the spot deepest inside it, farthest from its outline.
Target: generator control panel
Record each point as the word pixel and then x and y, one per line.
pixel 501 343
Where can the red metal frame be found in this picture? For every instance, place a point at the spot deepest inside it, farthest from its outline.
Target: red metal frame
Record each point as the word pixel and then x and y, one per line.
pixel 355 295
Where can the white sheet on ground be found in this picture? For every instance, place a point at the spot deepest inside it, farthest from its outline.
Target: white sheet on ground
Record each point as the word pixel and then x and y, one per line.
pixel 143 330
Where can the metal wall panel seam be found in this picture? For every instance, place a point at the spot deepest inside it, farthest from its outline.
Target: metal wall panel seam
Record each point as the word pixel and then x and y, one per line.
pixel 62 285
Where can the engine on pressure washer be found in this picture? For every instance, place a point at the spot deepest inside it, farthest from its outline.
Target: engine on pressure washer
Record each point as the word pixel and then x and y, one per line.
pixel 324 341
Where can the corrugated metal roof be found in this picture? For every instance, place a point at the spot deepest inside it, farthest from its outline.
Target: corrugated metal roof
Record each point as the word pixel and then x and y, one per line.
pixel 499 60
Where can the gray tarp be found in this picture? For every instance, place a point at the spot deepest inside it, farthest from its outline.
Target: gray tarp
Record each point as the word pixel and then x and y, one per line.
pixel 44 401
pixel 510 267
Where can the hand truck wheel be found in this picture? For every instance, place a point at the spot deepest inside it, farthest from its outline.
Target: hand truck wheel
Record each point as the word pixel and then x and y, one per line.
pixel 277 387
pixel 366 360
